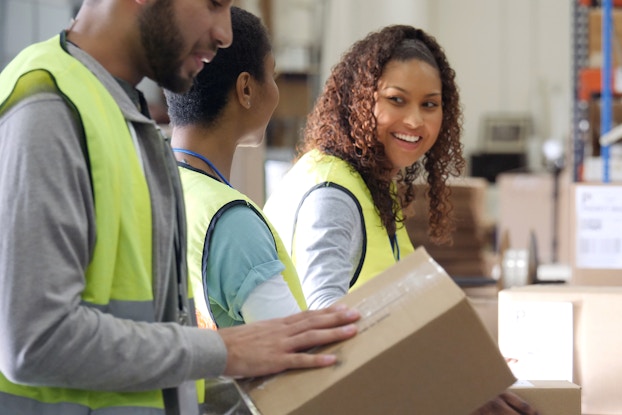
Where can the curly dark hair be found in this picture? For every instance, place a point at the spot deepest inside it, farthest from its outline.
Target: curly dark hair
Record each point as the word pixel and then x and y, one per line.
pixel 342 124
pixel 210 91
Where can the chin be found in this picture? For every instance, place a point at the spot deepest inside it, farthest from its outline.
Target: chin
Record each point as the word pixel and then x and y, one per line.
pixel 177 83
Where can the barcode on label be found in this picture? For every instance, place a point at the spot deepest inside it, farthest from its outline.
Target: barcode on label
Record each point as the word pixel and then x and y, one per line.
pixel 591 224
pixel 600 246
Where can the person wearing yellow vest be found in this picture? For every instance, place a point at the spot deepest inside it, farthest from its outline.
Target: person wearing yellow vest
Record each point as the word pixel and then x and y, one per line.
pixel 388 115
pixel 96 315
pixel 235 258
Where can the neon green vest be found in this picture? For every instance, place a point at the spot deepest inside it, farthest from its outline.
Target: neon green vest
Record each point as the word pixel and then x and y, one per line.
pixel 205 201
pixel 315 169
pixel 123 219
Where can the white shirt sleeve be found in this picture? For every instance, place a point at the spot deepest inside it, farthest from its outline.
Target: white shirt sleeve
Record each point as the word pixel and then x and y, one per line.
pixel 270 299
pixel 328 244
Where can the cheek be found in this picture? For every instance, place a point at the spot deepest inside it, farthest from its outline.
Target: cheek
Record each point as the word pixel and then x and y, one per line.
pixel 435 130
pixel 435 123
pixel 383 118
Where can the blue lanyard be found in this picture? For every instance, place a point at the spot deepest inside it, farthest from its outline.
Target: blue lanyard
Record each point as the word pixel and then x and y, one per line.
pixel 206 160
pixel 395 247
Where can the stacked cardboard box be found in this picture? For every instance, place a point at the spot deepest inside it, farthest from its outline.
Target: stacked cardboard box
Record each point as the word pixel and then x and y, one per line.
pixel 595 48
pixel 470 255
pixel 550 397
pixel 566 332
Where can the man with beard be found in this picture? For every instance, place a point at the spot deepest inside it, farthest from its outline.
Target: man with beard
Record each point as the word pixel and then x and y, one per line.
pixel 95 313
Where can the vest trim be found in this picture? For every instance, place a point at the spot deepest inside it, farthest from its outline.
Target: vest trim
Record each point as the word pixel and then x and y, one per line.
pixel 206 201
pixel 359 266
pixel 315 170
pixel 208 239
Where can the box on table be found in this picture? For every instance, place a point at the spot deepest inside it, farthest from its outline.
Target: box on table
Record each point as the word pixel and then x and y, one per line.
pixel 550 397
pixel 421 348
pixel 566 332
pixel 526 206
pixel 596 234
pixel 487 308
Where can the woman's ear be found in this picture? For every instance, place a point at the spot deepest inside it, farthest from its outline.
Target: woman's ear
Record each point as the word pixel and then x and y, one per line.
pixel 244 89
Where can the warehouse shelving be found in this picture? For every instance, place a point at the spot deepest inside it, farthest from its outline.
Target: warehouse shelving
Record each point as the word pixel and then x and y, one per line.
pixel 593 85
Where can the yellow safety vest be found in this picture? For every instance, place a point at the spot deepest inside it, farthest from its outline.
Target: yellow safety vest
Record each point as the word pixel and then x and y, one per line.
pixel 205 202
pixel 315 170
pixel 123 220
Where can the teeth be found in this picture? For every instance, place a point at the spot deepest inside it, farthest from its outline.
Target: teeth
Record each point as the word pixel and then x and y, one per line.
pixel 205 60
pixel 409 138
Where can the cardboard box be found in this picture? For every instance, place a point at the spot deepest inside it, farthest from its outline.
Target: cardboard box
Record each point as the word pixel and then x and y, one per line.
pixel 566 332
pixel 550 397
pixel 487 308
pixel 526 205
pixel 595 36
pixel 596 234
pixel 473 235
pixel 421 348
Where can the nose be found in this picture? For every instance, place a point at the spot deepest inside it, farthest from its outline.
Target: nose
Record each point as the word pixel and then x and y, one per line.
pixel 222 32
pixel 413 117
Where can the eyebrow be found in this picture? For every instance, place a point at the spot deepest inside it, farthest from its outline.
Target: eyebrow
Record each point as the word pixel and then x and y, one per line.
pixel 406 92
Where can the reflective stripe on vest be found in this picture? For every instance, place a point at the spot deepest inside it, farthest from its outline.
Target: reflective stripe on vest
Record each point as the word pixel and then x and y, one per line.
pixel 119 276
pixel 205 198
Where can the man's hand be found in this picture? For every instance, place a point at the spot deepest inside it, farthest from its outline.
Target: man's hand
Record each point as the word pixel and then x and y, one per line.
pixel 272 346
pixel 507 403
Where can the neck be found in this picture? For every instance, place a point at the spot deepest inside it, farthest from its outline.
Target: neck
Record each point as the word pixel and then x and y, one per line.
pixel 209 144
pixel 107 31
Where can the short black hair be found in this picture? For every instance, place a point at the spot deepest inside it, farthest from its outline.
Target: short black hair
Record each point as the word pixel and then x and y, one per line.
pixel 209 93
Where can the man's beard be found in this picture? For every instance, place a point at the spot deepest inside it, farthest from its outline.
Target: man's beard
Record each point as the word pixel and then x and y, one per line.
pixel 162 44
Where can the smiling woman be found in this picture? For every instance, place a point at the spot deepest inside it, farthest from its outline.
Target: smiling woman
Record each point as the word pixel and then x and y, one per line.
pixel 408 111
pixel 389 114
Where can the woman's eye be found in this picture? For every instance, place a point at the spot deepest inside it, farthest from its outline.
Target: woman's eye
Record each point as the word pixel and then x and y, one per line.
pixel 397 100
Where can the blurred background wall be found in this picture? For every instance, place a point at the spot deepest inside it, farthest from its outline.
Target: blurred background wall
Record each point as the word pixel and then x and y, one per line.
pixel 511 57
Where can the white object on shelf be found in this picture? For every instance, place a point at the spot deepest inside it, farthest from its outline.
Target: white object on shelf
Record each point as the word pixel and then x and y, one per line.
pixel 593 168
pixel 554 272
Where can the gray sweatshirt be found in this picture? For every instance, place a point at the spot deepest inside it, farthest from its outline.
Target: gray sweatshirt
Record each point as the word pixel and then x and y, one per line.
pixel 47 237
pixel 328 240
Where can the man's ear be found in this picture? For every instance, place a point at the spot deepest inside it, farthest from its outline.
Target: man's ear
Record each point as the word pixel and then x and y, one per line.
pixel 244 89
